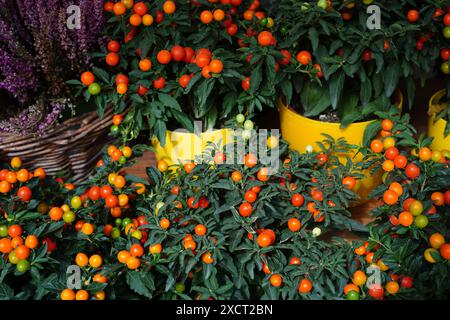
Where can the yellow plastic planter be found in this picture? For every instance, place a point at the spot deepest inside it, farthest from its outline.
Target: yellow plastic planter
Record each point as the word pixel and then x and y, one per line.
pixel 437 129
pixel 185 146
pixel 303 133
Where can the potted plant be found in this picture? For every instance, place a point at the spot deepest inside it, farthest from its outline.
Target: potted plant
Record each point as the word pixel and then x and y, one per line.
pixel 129 237
pixel 38 54
pixel 357 69
pixel 438 111
pixel 180 63
pixel 225 231
pixel 409 237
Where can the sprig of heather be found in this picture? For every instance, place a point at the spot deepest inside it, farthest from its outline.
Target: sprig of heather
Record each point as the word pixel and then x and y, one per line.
pixel 36 118
pixel 39 53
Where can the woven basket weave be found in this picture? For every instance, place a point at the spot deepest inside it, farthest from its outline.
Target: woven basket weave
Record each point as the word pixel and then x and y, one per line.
pixel 73 147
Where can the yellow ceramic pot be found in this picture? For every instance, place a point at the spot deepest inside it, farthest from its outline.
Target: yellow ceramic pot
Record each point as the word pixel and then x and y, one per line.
pixel 303 133
pixel 185 146
pixel 436 128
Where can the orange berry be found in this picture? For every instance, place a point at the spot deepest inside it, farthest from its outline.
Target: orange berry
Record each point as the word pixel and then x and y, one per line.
pixel 119 9
pixel 67 294
pixel 207 258
pixel 95 261
pixel 276 280
pixel 164 223
pixel 265 38
pixel 350 287
pixel 22 252
pixel 122 88
pixel 294 224
pixel 133 263
pixel 206 17
pixel 216 66
pixel 219 15
pixel 397 188
pixel 31 241
pixel 81 260
pixel 169 7
pixel 122 256
pixel 390 197
pixel 117 119
pixel 388 165
pixel 387 124
pixel 156 248
pixel 87 229
pixel 56 213
pixel 405 218
pixel 376 146
pixel 200 230
pixel 305 286
pixel 135 20
pixel 145 65
pixel 87 78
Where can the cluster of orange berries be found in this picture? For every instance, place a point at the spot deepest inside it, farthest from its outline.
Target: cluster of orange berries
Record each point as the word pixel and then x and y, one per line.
pixel 413 208
pixel 438 246
pixel 203 60
pixel 393 157
pixel 363 251
pixel 304 58
pixel 297 199
pixel 305 285
pixel 140 15
pixel 9 179
pixel 119 154
pixel 352 290
pixel 16 246
pixel 70 294
pixel 132 257
pixel 94 261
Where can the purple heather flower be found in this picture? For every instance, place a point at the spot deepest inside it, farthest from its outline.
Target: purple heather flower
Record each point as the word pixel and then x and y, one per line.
pixel 36 118
pixel 39 53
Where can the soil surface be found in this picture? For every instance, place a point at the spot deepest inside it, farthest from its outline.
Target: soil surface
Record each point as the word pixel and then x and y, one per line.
pixel 331 117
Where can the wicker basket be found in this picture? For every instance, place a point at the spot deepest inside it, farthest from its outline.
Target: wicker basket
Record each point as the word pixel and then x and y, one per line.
pixel 72 147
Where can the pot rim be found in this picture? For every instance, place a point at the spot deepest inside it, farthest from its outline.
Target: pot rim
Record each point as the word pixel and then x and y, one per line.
pixel 433 105
pixel 223 131
pixel 332 124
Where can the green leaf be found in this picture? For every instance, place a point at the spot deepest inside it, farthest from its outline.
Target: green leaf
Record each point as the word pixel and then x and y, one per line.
pixel 410 91
pixel 137 283
pixel 336 87
pixel 366 92
pixel 371 131
pixel 160 131
pixel 350 112
pixel 102 74
pixel 255 78
pixel 6 293
pixel 169 101
pixel 204 91
pixel 314 37
pixel 74 82
pixel 391 77
pixel 183 119
pixel 314 99
pixel 286 88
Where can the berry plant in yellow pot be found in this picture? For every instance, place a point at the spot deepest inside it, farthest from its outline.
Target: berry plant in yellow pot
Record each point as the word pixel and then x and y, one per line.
pixel 358 68
pixel 177 64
